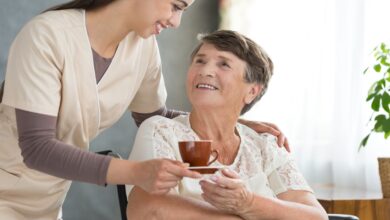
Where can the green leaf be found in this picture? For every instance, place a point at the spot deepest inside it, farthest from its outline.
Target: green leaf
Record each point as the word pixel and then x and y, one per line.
pixel 383 47
pixel 386 75
pixel 380 84
pixel 380 120
pixel 384 61
pixel 386 101
pixel 376 103
pixel 378 127
pixel 387 134
pixel 377 68
pixel 364 142
pixel 371 89
pixel 386 125
pixel 370 96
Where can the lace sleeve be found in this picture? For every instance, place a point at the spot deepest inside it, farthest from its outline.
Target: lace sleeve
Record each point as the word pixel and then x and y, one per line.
pixel 161 146
pixel 152 142
pixel 287 177
pixel 283 173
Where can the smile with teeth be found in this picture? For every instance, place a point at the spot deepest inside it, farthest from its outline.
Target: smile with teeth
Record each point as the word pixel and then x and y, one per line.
pixel 206 86
pixel 159 27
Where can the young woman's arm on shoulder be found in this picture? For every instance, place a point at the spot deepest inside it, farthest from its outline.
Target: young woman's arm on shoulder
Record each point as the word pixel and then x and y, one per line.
pixel 266 127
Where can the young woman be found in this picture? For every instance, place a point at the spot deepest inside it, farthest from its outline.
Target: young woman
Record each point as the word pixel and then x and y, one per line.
pixel 72 72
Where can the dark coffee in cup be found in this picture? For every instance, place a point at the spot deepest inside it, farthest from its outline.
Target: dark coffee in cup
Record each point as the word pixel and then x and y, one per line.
pixel 197 153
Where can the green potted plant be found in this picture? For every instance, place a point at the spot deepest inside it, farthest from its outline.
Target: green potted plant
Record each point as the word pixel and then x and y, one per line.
pixel 379 99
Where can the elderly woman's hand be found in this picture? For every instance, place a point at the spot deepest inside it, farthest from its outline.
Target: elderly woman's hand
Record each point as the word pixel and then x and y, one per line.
pixel 228 193
pixel 265 127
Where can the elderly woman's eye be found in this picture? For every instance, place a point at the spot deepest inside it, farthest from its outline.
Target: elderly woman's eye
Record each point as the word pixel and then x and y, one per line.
pixel 225 64
pixel 199 61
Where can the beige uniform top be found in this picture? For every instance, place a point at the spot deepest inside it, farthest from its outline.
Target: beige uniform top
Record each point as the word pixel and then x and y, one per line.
pixel 50 71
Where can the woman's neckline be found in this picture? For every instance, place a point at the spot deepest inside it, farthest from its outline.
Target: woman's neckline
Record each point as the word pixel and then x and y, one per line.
pixel 101 57
pixel 239 133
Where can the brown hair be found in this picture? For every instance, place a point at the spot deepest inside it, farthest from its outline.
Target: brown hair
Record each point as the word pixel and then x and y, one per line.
pixel 81 4
pixel 259 67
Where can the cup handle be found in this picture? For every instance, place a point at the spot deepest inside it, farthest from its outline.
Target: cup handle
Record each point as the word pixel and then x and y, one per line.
pixel 215 155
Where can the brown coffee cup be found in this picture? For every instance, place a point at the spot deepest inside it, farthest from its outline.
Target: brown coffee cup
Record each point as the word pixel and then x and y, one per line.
pixel 197 153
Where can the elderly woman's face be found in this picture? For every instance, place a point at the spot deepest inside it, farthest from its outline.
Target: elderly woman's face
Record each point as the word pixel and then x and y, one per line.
pixel 216 81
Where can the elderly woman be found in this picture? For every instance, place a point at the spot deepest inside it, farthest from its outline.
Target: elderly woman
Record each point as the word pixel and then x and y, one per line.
pixel 229 73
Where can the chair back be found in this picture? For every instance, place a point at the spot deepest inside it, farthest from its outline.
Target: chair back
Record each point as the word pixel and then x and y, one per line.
pixel 121 189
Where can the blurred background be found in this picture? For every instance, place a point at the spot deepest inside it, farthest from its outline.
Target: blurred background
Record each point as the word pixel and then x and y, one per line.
pixel 316 96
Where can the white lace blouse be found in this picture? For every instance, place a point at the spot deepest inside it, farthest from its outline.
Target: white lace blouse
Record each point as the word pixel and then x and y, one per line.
pixel 265 168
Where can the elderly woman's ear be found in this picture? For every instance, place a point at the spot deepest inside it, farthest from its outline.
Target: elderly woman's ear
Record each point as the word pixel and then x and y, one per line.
pixel 254 91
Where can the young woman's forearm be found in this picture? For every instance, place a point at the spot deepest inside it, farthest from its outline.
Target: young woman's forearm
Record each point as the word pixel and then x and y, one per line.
pixel 121 172
pixel 272 208
pixel 42 151
pixel 170 206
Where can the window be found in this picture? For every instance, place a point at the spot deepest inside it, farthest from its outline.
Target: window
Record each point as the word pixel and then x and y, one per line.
pixel 317 94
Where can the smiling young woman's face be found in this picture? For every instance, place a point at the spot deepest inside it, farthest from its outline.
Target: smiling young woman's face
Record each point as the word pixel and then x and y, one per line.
pixel 216 80
pixel 156 15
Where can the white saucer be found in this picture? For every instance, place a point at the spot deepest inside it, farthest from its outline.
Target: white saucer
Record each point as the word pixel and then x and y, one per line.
pixel 206 169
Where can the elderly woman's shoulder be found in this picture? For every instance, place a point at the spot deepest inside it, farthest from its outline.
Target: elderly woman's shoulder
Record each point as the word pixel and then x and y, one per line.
pixel 160 122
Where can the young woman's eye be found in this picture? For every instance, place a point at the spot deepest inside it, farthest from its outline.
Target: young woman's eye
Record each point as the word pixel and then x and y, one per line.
pixel 176 8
